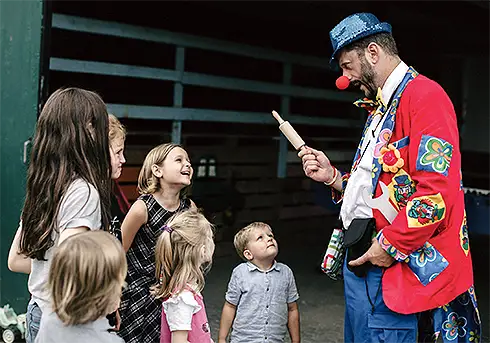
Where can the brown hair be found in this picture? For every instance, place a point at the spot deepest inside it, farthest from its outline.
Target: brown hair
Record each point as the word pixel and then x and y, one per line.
pixel 148 183
pixel 71 141
pixel 178 254
pixel 86 277
pixel 242 237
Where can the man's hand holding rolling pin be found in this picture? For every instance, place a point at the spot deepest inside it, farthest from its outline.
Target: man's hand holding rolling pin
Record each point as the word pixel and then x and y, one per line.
pixel 317 166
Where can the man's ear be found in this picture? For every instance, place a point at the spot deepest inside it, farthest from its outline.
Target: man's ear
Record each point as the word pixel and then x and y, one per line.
pixel 372 53
pixel 156 170
pixel 248 255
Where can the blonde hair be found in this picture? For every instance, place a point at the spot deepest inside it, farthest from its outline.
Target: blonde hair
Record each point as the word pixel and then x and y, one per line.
pixel 86 277
pixel 148 183
pixel 242 237
pixel 178 253
pixel 116 129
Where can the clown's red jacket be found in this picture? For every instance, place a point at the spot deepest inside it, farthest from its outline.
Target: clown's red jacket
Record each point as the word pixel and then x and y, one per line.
pixel 417 156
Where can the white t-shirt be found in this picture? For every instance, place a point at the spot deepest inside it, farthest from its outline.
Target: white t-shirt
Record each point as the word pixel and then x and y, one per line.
pixel 179 310
pixel 80 206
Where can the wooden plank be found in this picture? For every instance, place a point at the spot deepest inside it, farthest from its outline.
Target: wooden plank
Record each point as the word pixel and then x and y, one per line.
pixel 74 23
pixel 219 115
pixel 239 155
pixel 295 170
pixel 257 186
pixel 260 191
pixel 260 200
pixel 295 198
pixel 129 174
pixel 257 171
pixel 246 172
pixel 320 226
pixel 272 185
pixel 135 155
pixel 302 211
pixel 131 192
pixel 235 155
pixel 293 184
pixel 248 216
pixel 271 200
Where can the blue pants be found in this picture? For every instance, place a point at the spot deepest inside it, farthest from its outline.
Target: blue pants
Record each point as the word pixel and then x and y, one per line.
pixel 368 320
pixel 33 320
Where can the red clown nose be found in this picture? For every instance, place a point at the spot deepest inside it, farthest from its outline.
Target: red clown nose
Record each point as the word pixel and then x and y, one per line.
pixel 342 82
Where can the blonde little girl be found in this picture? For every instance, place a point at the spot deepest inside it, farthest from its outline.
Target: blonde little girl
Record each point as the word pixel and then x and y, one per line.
pixel 183 249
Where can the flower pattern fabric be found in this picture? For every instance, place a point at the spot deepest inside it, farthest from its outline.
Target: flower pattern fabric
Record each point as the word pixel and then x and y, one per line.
pixel 458 321
pixel 427 263
pixel 454 326
pixel 434 155
pixel 390 159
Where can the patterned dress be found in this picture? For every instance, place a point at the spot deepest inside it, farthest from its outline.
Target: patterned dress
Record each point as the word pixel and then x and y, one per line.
pixel 141 312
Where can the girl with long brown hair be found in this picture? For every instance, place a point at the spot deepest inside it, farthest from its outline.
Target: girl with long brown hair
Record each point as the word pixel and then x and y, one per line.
pixel 67 191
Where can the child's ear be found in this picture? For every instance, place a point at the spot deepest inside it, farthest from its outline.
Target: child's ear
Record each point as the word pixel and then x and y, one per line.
pixel 203 253
pixel 156 171
pixel 248 255
pixel 206 255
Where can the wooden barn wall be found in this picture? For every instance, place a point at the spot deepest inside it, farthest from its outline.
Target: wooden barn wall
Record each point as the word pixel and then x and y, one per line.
pixel 246 187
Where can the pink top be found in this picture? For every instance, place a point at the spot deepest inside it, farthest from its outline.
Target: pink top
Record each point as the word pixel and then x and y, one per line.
pixel 199 332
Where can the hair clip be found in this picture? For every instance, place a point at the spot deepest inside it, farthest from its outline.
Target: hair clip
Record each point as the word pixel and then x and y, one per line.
pixel 167 228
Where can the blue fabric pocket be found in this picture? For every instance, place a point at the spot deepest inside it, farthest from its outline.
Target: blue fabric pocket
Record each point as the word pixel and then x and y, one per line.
pixel 426 263
pixel 380 320
pixel 392 327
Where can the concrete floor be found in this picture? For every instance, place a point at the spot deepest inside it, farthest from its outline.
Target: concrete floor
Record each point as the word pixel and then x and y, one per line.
pixel 321 301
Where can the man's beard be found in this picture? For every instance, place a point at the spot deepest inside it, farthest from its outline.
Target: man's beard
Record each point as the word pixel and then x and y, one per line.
pixel 367 80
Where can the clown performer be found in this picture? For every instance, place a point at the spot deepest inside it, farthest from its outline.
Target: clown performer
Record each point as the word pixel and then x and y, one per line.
pixel 413 280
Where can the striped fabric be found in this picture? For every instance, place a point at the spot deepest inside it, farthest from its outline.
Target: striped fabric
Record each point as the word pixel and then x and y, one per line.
pixel 334 256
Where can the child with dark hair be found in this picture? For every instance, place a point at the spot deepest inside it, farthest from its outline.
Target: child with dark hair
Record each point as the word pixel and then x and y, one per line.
pixel 68 188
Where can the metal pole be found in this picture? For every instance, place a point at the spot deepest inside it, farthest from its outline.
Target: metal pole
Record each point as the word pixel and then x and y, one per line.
pixel 282 160
pixel 178 94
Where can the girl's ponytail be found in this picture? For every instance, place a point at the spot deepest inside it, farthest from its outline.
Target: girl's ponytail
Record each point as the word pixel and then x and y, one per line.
pixel 179 253
pixel 164 263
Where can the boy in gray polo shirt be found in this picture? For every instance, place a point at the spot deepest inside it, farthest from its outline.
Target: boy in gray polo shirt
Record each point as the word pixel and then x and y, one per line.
pixel 261 296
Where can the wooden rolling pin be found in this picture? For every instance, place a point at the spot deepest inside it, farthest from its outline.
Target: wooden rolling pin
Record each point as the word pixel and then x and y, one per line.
pixel 289 132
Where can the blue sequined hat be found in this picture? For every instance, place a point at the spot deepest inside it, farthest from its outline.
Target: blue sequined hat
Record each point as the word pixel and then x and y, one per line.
pixel 353 28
